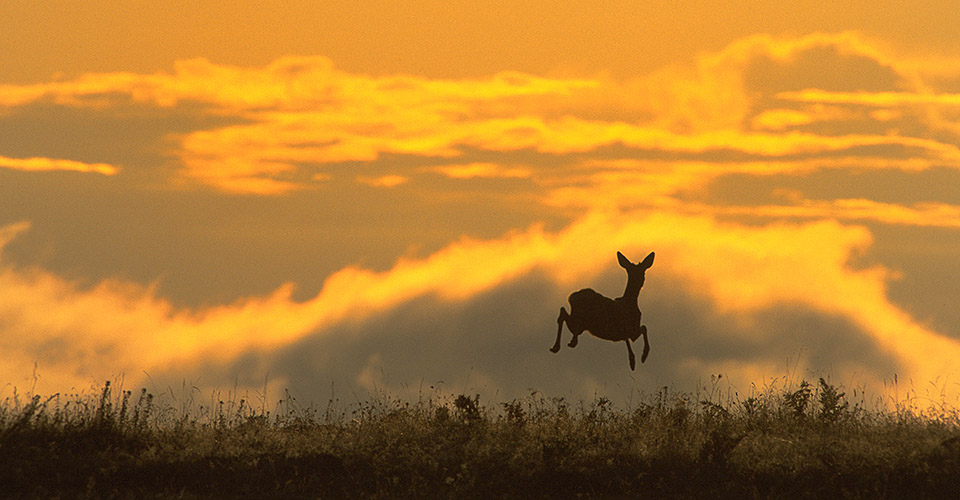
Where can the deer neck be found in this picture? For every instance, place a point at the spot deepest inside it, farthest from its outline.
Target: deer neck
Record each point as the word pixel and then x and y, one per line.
pixel 633 289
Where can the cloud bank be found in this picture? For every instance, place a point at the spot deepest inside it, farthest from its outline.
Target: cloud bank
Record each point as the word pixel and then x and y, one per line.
pixel 762 99
pixel 722 299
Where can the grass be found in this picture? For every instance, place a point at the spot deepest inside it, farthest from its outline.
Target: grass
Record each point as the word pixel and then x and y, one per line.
pixel 790 441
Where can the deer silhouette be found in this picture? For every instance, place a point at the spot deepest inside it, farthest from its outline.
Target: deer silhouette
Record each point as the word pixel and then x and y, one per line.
pixel 609 319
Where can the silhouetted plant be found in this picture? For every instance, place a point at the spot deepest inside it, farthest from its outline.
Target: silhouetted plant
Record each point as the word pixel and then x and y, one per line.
pixel 796 402
pixel 832 403
pixel 713 410
pixel 599 410
pixel 122 417
pixel 514 412
pixel 142 410
pixel 104 413
pixel 752 405
pixel 468 409
pixel 441 414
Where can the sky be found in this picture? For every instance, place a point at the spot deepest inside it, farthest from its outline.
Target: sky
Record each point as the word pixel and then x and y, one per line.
pixel 338 198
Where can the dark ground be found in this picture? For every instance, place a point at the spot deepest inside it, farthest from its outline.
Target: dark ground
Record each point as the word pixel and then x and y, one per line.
pixel 807 441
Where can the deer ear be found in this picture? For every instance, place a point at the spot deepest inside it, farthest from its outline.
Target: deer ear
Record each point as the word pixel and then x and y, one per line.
pixel 624 262
pixel 648 262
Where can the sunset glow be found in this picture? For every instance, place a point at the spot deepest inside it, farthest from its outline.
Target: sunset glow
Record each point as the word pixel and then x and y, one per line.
pixel 287 195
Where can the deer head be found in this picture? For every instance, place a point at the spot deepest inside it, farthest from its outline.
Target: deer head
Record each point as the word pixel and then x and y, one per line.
pixel 636 274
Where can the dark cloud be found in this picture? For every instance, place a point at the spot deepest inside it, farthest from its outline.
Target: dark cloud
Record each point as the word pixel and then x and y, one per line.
pixel 935 185
pixel 928 260
pixel 497 344
pixel 206 248
pixel 824 67
pixel 136 137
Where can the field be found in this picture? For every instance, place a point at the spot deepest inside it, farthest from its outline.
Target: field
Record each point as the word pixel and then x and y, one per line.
pixel 792 440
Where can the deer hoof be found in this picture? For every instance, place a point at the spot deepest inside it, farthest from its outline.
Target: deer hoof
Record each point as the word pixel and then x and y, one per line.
pixel 573 343
pixel 555 349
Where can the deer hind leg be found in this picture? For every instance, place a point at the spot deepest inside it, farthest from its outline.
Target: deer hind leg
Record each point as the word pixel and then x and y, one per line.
pixel 646 343
pixel 560 319
pixel 575 328
pixel 633 359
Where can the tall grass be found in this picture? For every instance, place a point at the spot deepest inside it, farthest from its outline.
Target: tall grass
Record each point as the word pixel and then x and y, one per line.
pixel 803 440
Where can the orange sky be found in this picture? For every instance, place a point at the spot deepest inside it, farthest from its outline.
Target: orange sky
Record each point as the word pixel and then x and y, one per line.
pixel 383 194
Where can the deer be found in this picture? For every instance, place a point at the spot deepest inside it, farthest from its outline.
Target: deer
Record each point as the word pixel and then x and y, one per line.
pixel 609 319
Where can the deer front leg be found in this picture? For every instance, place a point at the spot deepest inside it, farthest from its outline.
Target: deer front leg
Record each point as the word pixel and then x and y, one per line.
pixel 560 319
pixel 633 359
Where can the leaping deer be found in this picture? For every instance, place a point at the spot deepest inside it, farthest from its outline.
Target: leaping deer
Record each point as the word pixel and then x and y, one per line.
pixel 609 319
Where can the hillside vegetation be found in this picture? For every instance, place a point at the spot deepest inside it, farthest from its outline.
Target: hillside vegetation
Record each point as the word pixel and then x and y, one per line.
pixel 794 441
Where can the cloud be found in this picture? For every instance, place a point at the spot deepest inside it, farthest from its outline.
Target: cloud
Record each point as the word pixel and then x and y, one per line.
pixel 922 214
pixel 783 119
pixel 386 181
pixel 482 170
pixel 760 98
pixel 753 285
pixel 9 232
pixel 295 82
pixel 728 103
pixel 874 99
pixel 937 111
pixel 50 164
pixel 667 186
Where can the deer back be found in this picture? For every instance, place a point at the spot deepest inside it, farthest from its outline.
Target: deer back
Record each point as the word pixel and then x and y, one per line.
pixel 604 317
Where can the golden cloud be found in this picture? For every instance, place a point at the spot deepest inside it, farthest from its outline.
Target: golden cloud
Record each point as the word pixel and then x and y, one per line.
pixel 303 113
pixel 920 215
pixel 295 83
pixel 482 170
pixel 632 184
pixel 876 99
pixel 50 164
pixel 270 146
pixel 386 181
